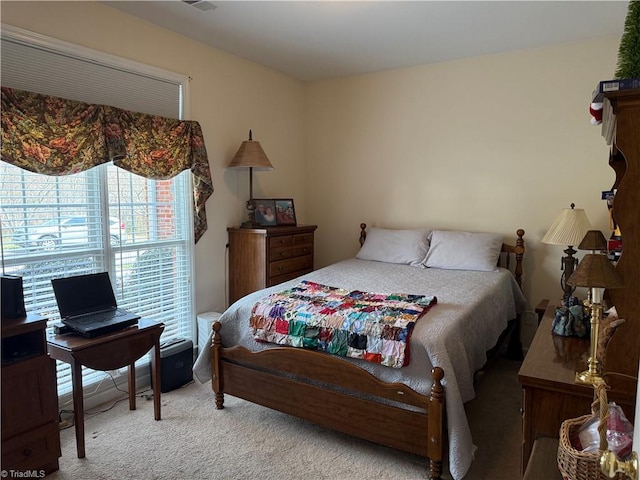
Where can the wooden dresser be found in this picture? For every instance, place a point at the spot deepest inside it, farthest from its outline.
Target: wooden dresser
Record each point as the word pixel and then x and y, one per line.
pixel 263 257
pixel 551 395
pixel 30 433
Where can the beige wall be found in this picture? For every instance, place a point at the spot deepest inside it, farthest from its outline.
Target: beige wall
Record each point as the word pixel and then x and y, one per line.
pixel 228 96
pixel 491 143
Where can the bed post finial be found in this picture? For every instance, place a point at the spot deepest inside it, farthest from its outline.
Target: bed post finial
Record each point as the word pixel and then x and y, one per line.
pixel 363 233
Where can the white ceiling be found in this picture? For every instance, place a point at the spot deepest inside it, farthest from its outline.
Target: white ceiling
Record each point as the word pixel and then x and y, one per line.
pixel 311 40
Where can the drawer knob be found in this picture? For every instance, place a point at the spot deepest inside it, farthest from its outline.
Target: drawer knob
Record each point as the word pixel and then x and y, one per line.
pixel 26 452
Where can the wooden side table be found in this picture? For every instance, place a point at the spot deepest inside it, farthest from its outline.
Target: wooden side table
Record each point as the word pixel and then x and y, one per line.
pixel 550 394
pixel 108 352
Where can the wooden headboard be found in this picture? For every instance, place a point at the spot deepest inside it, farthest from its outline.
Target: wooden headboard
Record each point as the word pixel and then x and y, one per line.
pixel 516 251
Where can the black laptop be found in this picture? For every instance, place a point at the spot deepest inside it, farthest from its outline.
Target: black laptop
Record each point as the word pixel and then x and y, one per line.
pixel 88 305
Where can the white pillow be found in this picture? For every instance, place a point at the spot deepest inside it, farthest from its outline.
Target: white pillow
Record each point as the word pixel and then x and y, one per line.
pixel 395 246
pixel 454 250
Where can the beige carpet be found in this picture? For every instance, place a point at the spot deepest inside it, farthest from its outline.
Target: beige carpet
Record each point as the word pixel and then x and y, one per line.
pixel 245 441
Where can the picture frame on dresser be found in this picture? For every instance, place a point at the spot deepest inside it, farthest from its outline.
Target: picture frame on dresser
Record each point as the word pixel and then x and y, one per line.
pixel 265 212
pixel 285 211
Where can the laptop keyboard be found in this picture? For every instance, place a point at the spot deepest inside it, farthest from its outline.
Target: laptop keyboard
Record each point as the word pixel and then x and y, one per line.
pixel 98 317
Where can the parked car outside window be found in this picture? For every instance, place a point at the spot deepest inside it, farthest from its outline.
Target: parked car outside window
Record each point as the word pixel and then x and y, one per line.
pixel 65 231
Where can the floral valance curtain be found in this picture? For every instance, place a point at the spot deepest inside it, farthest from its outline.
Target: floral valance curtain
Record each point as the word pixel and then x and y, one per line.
pixel 55 136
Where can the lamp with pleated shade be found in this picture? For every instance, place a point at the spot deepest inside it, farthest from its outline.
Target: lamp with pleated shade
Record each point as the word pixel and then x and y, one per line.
pixel 569 228
pixel 250 155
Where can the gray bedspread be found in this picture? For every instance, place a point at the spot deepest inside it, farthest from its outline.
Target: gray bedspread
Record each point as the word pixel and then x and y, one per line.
pixel 473 309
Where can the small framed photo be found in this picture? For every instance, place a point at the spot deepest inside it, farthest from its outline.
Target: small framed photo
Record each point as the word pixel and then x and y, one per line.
pixel 285 212
pixel 265 212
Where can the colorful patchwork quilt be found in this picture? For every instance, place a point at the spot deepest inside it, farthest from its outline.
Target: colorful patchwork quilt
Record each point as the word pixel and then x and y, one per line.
pixel 371 326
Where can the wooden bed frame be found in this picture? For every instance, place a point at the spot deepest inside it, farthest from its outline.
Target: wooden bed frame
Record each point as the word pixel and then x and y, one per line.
pixel 339 395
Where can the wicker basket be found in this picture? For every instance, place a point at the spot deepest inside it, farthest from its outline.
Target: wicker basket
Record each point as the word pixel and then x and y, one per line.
pixel 576 465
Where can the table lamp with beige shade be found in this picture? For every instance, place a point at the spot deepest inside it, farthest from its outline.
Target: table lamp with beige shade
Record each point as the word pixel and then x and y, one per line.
pixel 569 228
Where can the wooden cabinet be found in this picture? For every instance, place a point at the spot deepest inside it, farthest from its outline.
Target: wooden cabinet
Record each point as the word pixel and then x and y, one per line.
pixel 263 257
pixel 30 434
pixel 623 353
pixel 550 394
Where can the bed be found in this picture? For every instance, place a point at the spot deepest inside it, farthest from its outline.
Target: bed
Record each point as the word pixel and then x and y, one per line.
pixel 418 408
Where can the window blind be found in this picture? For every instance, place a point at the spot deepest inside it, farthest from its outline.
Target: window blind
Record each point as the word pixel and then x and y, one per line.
pixel 53 67
pixel 104 219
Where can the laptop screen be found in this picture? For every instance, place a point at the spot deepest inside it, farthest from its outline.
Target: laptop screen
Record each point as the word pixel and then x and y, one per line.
pixel 83 294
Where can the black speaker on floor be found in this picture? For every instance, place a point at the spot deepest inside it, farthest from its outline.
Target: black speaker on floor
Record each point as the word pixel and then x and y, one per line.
pixel 12 297
pixel 176 364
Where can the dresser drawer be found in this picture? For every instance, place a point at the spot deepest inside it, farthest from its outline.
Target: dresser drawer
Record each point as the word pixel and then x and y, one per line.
pixel 32 450
pixel 290 276
pixel 303 239
pixel 288 246
pixel 280 241
pixel 303 250
pixel 281 253
pixel 291 265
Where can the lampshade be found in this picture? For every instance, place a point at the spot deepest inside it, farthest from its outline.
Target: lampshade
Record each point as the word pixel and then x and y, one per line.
pixel 595 270
pixel 593 240
pixel 569 228
pixel 251 155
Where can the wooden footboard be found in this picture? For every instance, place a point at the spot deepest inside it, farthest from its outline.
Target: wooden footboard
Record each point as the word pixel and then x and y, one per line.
pixel 335 394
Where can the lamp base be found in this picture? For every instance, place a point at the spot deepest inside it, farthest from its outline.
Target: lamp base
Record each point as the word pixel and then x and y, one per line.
pixel 569 264
pixel 592 375
pixel 588 378
pixel 250 224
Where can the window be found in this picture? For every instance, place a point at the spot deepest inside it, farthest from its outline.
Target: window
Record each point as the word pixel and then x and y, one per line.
pixel 103 219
